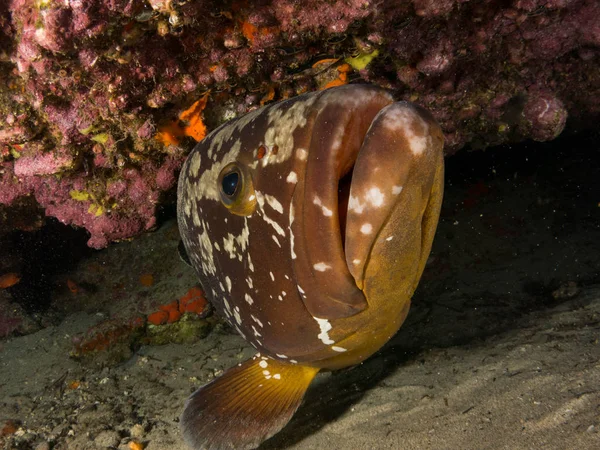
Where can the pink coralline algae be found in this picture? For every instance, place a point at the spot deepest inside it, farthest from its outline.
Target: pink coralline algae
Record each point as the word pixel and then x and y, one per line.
pixel 43 164
pixel 92 91
pixel 545 116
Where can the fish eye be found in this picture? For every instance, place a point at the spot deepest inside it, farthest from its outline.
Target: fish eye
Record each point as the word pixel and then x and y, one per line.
pixel 229 184
pixel 236 189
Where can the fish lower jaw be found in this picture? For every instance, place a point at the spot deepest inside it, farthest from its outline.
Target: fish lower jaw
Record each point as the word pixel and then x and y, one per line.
pixel 347 359
pixel 355 351
pixel 364 342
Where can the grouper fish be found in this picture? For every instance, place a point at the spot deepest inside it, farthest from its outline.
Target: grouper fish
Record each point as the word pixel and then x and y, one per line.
pixel 308 222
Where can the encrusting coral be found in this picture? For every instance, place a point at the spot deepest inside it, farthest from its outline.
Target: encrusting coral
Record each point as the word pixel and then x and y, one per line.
pixel 100 100
pixel 111 341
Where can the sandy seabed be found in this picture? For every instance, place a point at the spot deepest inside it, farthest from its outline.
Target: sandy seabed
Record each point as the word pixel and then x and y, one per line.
pixel 501 349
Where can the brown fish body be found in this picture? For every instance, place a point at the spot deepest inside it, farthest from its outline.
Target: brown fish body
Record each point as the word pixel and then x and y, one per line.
pixel 311 284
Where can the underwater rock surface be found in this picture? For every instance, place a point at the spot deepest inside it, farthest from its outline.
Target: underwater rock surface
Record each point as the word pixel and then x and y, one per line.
pixel 99 98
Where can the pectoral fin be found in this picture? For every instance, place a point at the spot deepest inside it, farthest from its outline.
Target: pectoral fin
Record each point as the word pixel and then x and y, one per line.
pixel 246 405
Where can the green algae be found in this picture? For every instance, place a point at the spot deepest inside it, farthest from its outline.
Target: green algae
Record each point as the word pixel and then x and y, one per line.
pixel 186 330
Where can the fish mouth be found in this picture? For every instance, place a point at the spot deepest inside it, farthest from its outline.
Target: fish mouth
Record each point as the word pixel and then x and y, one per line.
pixel 363 201
pixel 356 261
pixel 344 184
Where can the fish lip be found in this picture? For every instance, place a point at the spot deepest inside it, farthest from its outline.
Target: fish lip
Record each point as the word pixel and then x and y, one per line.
pixel 359 279
pixel 394 171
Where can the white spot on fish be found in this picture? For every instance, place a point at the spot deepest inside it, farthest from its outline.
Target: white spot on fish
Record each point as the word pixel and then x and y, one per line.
pixel 257 321
pixel 356 261
pixel 208 262
pixel 366 228
pixel 248 299
pixel 326 211
pixel 240 331
pixel 272 276
pixel 355 205
pixel 338 349
pixel 389 238
pixel 261 201
pixel 236 314
pixel 276 240
pixel 291 219
pixel 266 372
pixel 228 283
pixel 274 203
pixel 284 120
pixel 263 364
pixel 414 127
pixel 325 327
pixel 375 197
pixel 231 242
pixel 321 266
pixel 301 154
pixel 292 177
pixel 205 186
pixel 250 265
pixel 277 376
pixel 256 333
pixel 396 190
pixel 281 356
pixel 194 164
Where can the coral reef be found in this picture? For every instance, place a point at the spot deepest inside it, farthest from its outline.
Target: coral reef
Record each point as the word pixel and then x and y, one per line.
pixel 99 98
